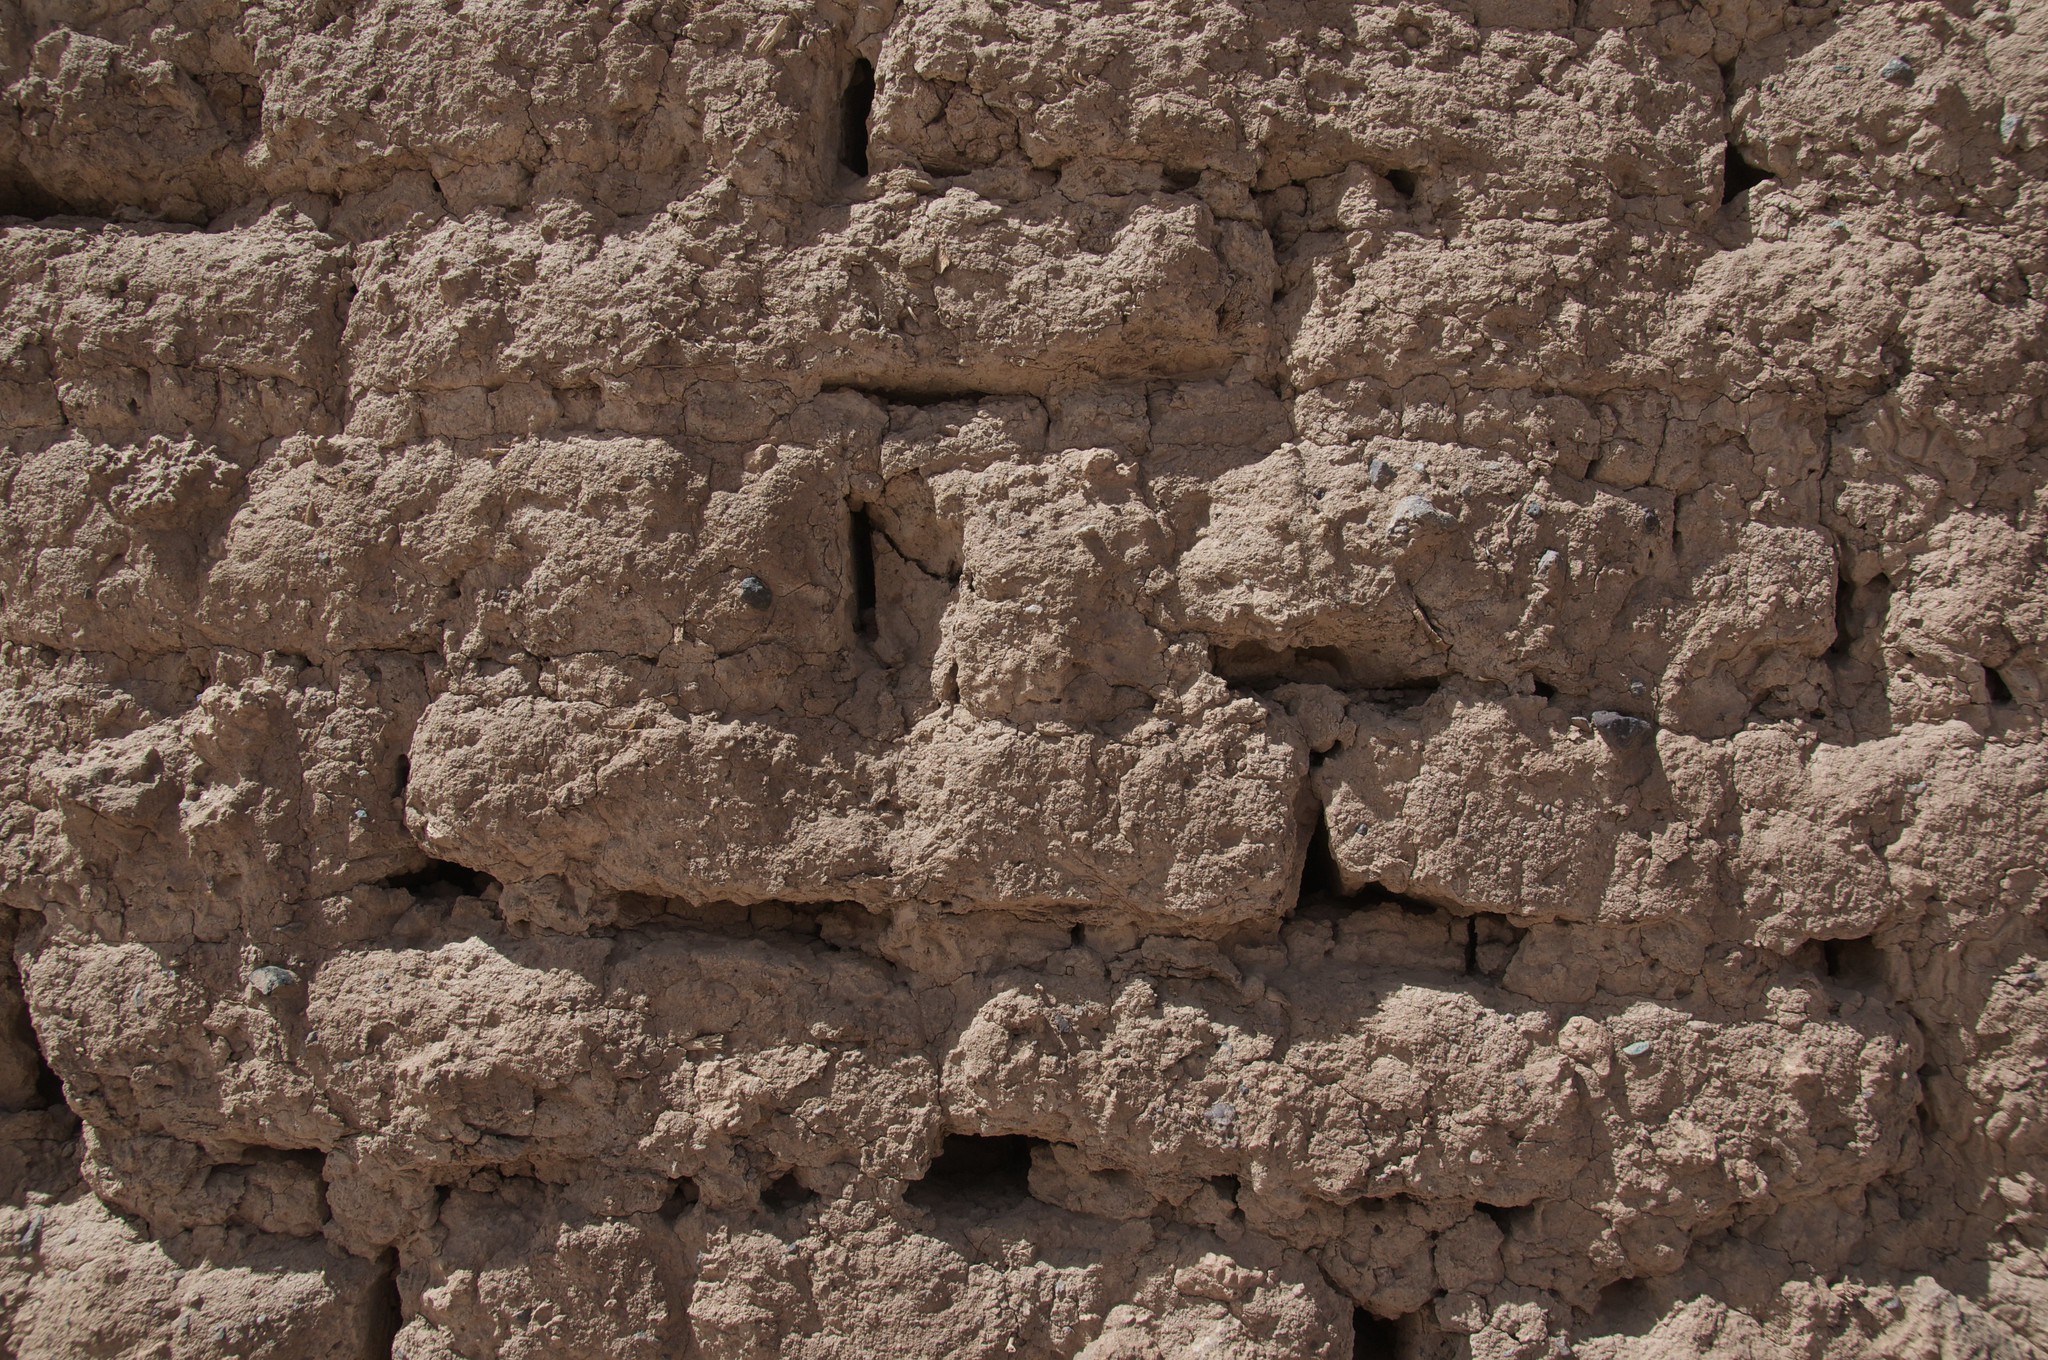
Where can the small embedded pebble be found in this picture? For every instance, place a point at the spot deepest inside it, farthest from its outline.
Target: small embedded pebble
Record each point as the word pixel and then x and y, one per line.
pixel 755 594
pixel 1379 472
pixel 270 978
pixel 1620 729
pixel 1533 508
pixel 1898 71
pixel 1222 1114
pixel 1419 510
pixel 1550 561
pixel 2009 128
pixel 1637 1049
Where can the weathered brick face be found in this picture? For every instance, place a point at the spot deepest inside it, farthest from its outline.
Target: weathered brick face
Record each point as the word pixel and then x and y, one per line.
pixel 974 678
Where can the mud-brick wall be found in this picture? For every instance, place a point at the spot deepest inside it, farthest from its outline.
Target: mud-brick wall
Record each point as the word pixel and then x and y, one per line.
pixel 985 678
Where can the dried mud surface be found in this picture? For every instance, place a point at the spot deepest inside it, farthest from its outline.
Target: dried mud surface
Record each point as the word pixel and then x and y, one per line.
pixel 981 678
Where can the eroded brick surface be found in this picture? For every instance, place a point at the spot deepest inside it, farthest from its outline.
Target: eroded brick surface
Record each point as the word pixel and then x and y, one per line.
pixel 951 679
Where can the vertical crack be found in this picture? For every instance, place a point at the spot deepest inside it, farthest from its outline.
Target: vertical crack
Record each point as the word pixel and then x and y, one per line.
pixel 862 555
pixel 854 107
pixel 387 1313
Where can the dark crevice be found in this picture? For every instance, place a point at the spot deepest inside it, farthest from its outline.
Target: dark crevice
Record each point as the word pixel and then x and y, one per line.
pixel 1320 877
pixel 49 1090
pixel 918 396
pixel 1996 688
pixel 785 1193
pixel 237 103
pixel 1847 627
pixel 1401 697
pixel 1544 690
pixel 1180 180
pixel 441 879
pixel 1404 182
pixel 854 107
pixel 1374 1337
pixel 387 1312
pixel 24 198
pixel 1227 1187
pixel 1856 963
pixel 1853 657
pixel 18 1027
pixel 1923 1109
pixel 306 1159
pixel 974 1173
pixel 1322 887
pixel 679 1200
pixel 862 555
pixel 1504 1217
pixel 1255 666
pixel 1490 944
pixel 49 1086
pixel 1627 1307
pixel 1260 668
pixel 1898 362
pixel 1739 174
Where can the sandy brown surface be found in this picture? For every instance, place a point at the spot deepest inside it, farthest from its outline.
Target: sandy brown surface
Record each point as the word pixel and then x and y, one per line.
pixel 984 678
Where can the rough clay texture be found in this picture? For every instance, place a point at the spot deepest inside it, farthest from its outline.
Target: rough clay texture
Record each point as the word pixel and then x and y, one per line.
pixel 1235 678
